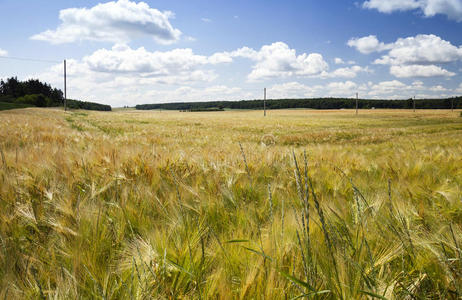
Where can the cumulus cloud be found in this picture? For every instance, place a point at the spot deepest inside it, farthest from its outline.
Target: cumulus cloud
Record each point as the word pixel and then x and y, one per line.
pixel 122 75
pixel 183 66
pixel 342 89
pixel 3 52
pixel 123 59
pixel 279 60
pixel 389 6
pixel 399 90
pixel 298 90
pixel 293 89
pixel 122 67
pixel 349 72
pixel 451 8
pixel 368 44
pixel 386 88
pixel 190 94
pixel 413 56
pixel 272 61
pixel 220 57
pixel 339 61
pixel 112 22
pixel 119 88
pixel 126 87
pixel 393 89
pixel 421 49
pixel 419 71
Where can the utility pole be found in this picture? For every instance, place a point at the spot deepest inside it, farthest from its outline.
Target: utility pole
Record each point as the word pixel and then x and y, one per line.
pixel 356 103
pixel 414 103
pixel 65 87
pixel 264 102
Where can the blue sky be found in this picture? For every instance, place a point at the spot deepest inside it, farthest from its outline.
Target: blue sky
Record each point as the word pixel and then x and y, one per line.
pixel 129 52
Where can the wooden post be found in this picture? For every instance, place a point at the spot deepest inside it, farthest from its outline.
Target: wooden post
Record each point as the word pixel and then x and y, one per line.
pixel 65 87
pixel 264 102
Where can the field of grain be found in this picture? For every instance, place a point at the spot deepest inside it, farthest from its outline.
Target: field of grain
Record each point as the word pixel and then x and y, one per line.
pixel 230 205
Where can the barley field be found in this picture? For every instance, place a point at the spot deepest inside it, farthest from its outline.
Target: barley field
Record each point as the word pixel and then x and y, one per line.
pixel 230 205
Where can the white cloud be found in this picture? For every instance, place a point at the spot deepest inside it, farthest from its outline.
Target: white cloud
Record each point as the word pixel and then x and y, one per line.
pixel 293 90
pixel 421 49
pixel 412 56
pixel 339 61
pixel 122 75
pixel 349 72
pixel 278 60
pixel 393 89
pixel 398 90
pixel 368 44
pixel 386 88
pixel 438 88
pixel 119 89
pixel 275 60
pixel 3 52
pixel 408 71
pixel 206 20
pixel 451 8
pixel 122 66
pixel 298 90
pixel 190 38
pixel 97 76
pixel 113 21
pixel 390 85
pixel 245 52
pixel 459 89
pixel 342 89
pixel 190 94
pixel 122 59
pixel 220 57
pixel 389 6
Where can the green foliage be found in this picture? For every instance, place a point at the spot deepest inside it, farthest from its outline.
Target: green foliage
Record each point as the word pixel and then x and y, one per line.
pixel 35 100
pixel 315 103
pixel 14 88
pixel 6 98
pixel 194 109
pixel 76 104
pixel 35 93
pixel 9 105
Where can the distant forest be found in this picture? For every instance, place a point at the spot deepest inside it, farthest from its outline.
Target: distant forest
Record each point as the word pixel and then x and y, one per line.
pixel 19 94
pixel 314 103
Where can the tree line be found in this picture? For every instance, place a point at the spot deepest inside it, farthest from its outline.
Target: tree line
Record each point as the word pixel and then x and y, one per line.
pixel 33 92
pixel 77 104
pixel 313 103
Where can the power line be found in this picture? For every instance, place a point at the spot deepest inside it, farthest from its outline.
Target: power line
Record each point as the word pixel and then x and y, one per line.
pixel 30 59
